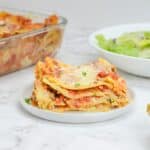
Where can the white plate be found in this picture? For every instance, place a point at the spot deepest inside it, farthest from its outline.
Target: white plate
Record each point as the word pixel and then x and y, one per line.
pixel 74 117
pixel 137 66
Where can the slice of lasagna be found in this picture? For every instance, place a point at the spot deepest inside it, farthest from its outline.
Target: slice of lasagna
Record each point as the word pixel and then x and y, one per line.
pixel 90 87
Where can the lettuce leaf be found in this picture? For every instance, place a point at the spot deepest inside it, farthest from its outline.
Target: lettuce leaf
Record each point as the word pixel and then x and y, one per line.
pixel 121 46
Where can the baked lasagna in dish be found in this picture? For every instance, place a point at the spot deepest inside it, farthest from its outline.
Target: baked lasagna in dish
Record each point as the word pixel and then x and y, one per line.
pixel 60 87
pixel 25 39
pixel 12 24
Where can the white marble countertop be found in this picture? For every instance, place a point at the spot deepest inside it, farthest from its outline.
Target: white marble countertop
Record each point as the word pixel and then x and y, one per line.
pixel 21 131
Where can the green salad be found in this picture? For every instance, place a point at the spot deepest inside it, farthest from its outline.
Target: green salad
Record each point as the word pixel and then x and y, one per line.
pixel 135 44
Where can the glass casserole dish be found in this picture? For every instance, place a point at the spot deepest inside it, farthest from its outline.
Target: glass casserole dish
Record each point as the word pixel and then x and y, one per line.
pixel 24 47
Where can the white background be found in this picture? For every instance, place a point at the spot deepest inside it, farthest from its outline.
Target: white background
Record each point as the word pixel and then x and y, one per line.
pixel 89 13
pixel 21 131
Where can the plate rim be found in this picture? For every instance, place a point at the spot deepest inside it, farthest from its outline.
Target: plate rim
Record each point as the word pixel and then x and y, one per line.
pixel 115 113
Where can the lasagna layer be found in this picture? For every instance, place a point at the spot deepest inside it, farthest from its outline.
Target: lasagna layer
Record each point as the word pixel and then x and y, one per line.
pixel 90 87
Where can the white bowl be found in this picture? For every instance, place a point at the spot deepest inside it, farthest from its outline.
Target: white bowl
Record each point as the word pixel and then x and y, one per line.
pixel 134 65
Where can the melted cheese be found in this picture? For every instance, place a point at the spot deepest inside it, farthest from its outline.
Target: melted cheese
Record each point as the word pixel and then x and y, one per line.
pixel 82 77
